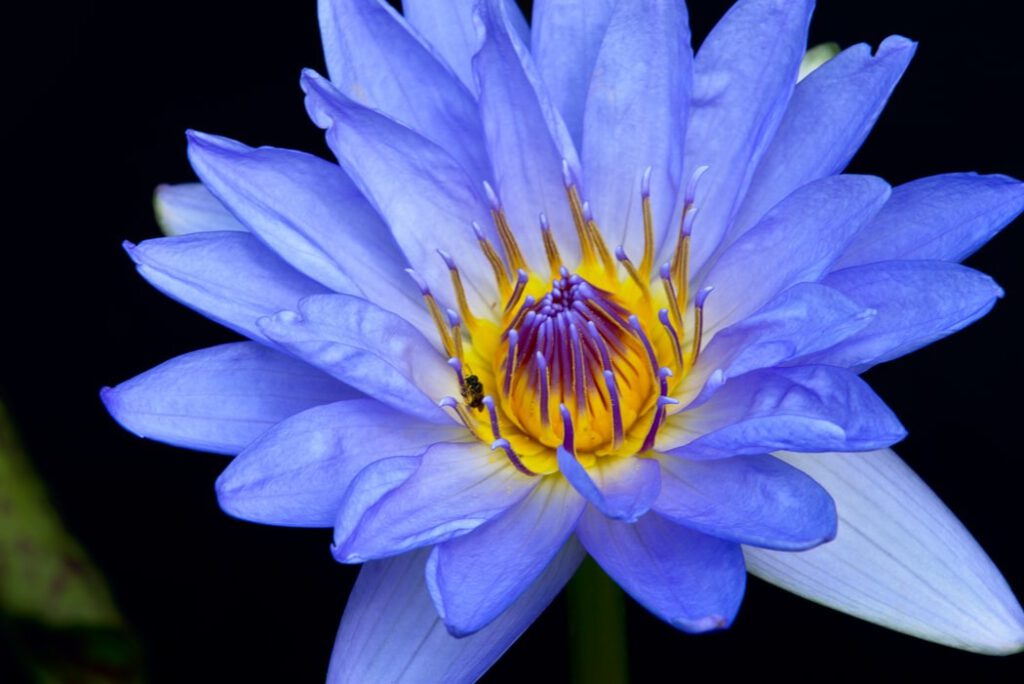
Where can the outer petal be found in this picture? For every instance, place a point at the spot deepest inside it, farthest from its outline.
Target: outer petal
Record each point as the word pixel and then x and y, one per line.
pixel 692 581
pixel 900 559
pixel 450 28
pixel 917 302
pixel 369 348
pixel 219 399
pixel 743 77
pixel 831 113
pixel 190 208
pixel 623 489
pixel 565 39
pixel 373 58
pixel 457 488
pixel 422 192
pixel 756 500
pixel 796 241
pixel 391 631
pixel 474 578
pixel 526 136
pixel 804 319
pixel 229 277
pixel 297 473
pixel 802 408
pixel 311 214
pixel 943 217
pixel 636 113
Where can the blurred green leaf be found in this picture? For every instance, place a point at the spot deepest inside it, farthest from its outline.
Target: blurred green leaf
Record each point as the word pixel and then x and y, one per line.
pixel 56 610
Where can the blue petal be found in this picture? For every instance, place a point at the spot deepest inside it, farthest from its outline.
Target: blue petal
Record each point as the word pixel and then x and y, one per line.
pixel 526 137
pixel 219 399
pixel 621 488
pixel 797 241
pixel 474 578
pixel 373 58
pixel 190 208
pixel 311 214
pixel 804 408
pixel 756 500
pixel 565 39
pixel 692 581
pixel 900 559
pixel 391 631
pixel 917 302
pixel 636 113
pixel 230 277
pixel 369 348
pixel 804 319
pixel 831 113
pixel 422 192
pixel 743 77
pixel 943 217
pixel 449 27
pixel 456 488
pixel 298 471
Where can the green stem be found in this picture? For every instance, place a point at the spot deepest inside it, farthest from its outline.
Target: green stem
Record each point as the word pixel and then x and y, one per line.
pixel 597 628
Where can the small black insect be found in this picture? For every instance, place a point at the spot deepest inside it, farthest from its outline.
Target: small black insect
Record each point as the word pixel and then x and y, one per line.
pixel 473 392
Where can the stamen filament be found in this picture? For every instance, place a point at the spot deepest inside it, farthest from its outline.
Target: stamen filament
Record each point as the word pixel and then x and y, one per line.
pixel 598 241
pixel 453 320
pixel 670 294
pixel 677 347
pixel 518 291
pixel 620 254
pixel 613 398
pixel 501 275
pixel 435 313
pixel 508 239
pixel 647 262
pixel 504 444
pixel 582 234
pixel 460 291
pixel 698 324
pixel 542 370
pixel 550 246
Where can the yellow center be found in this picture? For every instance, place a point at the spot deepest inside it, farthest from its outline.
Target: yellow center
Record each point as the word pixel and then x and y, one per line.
pixel 597 344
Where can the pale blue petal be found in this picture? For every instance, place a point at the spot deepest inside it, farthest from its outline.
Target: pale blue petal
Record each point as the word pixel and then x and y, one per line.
pixel 803 408
pixel 691 580
pixel 743 76
pixel 944 217
pixel 565 38
pixel 419 189
pixel 803 319
pixel 219 399
pixel 190 208
pixel 229 277
pixel 756 500
pixel 900 559
pixel 373 58
pixel 449 27
pixel 297 473
pixel 636 113
pixel 797 241
pixel 474 578
pixel 526 137
pixel 311 214
pixel 456 488
pixel 392 633
pixel 918 302
pixel 369 348
pixel 621 488
pixel 830 115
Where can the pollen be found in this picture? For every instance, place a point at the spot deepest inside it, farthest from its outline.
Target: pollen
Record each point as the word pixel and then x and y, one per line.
pixel 587 353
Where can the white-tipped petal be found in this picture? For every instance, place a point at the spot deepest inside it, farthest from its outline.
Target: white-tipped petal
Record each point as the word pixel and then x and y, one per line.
pixel 391 631
pixel 900 558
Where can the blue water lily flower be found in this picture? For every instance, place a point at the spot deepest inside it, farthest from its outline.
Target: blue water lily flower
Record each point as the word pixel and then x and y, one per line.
pixel 570 288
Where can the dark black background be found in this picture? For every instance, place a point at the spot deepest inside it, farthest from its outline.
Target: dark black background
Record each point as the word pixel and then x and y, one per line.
pixel 98 95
